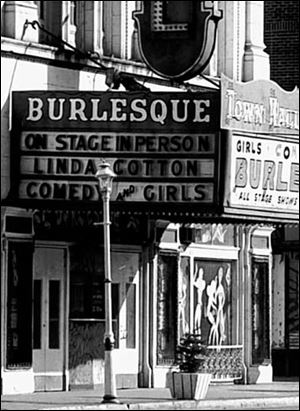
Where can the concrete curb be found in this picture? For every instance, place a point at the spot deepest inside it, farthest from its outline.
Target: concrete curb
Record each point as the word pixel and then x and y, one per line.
pixel 192 405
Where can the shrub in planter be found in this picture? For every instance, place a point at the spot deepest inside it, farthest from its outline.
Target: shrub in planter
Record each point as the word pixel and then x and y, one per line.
pixel 191 382
pixel 191 353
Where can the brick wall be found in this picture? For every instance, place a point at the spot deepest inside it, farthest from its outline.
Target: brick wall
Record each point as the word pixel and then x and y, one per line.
pixel 281 36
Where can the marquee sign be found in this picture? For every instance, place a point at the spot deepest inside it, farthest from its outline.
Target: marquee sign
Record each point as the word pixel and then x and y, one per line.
pixel 177 38
pixel 263 176
pixel 263 161
pixel 259 106
pixel 163 147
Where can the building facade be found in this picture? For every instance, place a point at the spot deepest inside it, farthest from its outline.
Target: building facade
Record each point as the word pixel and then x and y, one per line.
pixel 282 39
pixel 188 253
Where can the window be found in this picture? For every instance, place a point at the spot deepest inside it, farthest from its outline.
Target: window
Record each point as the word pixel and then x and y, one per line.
pixel 260 312
pixel 19 305
pixel 198 302
pixel 293 300
pixel 86 283
pixel 212 295
pixel 59 18
pixel 54 309
pixel 166 308
pixel 37 313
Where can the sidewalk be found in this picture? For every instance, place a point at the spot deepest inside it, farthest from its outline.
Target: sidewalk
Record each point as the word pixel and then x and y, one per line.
pixel 277 394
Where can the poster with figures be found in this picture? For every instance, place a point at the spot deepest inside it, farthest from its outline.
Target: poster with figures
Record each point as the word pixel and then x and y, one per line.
pixel 212 301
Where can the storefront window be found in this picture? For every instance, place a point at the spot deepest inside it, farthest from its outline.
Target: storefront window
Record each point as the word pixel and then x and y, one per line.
pixel 212 294
pixel 166 308
pixel 37 314
pixel 260 312
pixel 87 285
pixel 54 310
pixel 19 305
pixel 293 300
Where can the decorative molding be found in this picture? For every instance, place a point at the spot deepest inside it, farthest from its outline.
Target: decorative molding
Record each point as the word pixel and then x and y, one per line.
pixel 225 363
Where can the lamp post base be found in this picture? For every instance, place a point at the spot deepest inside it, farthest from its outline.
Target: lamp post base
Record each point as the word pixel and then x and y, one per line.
pixel 110 391
pixel 110 399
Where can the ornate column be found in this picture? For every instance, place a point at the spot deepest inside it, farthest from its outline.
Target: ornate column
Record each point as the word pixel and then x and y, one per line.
pixel 256 61
pixel 231 39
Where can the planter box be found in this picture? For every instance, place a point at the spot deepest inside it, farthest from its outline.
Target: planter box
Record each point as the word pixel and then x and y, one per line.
pixel 189 386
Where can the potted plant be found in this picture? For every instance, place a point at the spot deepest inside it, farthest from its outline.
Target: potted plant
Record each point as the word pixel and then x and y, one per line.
pixel 190 381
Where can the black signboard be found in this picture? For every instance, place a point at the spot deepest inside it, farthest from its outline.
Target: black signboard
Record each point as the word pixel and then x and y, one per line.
pixel 163 147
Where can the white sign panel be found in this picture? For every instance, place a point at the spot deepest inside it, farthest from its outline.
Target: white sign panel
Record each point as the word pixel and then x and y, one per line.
pixel 264 174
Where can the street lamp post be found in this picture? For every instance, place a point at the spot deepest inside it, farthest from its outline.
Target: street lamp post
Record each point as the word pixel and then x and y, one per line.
pixel 105 176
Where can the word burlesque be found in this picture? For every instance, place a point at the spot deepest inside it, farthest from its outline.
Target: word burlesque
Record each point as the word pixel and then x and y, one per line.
pixel 118 110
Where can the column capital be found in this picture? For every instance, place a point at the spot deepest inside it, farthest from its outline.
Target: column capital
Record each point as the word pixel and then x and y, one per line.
pixel 15 13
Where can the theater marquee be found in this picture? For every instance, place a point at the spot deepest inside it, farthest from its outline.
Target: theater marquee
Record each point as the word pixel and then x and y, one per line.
pixel 262 178
pixel 264 174
pixel 259 106
pixel 163 147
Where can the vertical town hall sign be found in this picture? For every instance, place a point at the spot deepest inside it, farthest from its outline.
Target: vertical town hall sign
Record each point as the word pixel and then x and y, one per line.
pixel 177 38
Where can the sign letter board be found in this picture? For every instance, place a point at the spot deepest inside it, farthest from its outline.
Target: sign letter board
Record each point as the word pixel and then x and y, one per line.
pixel 163 147
pixel 263 166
